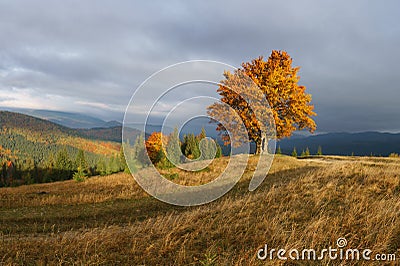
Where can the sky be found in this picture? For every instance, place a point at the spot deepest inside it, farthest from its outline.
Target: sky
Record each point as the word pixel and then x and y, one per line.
pixel 90 56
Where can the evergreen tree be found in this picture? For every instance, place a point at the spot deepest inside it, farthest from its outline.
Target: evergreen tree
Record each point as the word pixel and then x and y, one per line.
pixel 110 164
pixel 195 148
pixel 202 134
pixel 3 174
pixel 210 149
pixel 81 167
pixel 307 152
pixel 81 163
pixel 113 166
pixel 28 168
pixel 122 161
pixel 80 175
pixel 294 152
pixel 130 157
pixel 319 151
pixel 188 145
pixel 51 162
pixel 204 147
pixel 101 167
pixel 279 151
pixel 64 165
pixel 218 154
pixel 50 166
pixel 184 144
pixel 192 150
pixel 173 148
pixel 138 154
pixel 139 151
pixel 162 161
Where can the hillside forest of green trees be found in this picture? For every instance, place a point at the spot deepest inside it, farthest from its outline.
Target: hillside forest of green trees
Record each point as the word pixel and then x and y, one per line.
pixel 56 164
pixel 38 151
pixel 158 146
pixel 33 150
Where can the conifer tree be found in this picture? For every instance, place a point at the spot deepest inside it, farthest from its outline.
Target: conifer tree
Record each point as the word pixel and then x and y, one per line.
pixel 139 151
pixel 307 152
pixel 319 151
pixel 210 149
pixel 101 167
pixel 294 152
pixel 81 167
pixel 64 165
pixel 202 134
pixel 80 161
pixel 123 166
pixel 109 167
pixel 192 150
pixel 218 154
pixel 173 148
pixel 207 147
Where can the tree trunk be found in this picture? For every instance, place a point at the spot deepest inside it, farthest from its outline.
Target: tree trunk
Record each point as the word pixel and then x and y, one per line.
pixel 258 148
pixel 262 145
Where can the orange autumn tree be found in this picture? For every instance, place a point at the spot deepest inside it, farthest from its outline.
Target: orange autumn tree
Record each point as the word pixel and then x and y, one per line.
pixel 277 81
pixel 154 146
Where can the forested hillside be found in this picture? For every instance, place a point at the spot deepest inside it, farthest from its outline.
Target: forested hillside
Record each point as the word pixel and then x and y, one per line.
pixel 33 150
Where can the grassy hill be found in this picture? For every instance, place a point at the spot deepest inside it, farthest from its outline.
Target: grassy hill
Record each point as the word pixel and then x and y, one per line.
pixel 307 203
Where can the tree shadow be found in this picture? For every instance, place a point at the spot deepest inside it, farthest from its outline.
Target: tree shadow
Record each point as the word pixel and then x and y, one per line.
pixel 126 211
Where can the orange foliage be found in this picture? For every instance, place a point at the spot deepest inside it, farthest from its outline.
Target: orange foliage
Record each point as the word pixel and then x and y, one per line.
pixel 278 81
pixel 6 155
pixel 154 144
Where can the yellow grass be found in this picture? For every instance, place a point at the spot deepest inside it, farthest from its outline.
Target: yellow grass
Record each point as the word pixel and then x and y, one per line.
pixel 109 220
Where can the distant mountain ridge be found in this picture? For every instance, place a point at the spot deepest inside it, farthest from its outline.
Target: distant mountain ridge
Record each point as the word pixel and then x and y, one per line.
pixel 67 119
pixel 342 143
pixel 109 133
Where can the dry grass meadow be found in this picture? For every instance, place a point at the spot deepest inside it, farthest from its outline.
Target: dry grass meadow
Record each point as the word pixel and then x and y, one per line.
pixel 303 203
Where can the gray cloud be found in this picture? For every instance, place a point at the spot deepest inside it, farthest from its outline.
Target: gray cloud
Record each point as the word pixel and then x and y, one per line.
pixel 90 55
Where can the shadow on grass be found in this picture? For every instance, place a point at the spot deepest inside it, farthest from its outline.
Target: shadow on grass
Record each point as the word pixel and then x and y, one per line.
pixel 60 218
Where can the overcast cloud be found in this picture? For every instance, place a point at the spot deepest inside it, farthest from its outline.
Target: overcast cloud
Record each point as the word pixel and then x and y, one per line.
pixel 89 56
